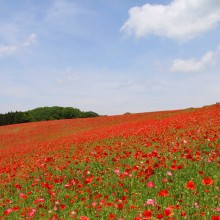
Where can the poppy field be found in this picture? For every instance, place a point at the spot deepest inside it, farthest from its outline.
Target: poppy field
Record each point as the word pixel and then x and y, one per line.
pixel 158 165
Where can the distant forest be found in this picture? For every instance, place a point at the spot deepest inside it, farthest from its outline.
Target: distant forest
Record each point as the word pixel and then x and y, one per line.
pixel 44 114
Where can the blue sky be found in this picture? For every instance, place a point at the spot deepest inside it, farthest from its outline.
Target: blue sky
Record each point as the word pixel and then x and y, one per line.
pixel 109 56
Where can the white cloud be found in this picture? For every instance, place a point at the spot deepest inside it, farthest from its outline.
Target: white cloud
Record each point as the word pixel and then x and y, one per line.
pixel 181 19
pixel 195 65
pixel 31 40
pixel 6 50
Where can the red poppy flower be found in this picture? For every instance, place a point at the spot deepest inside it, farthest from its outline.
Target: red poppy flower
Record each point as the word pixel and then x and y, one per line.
pixel 88 180
pixel 150 184
pixel 147 213
pixel 163 192
pixel 111 216
pixel 62 206
pixel 84 218
pixel 216 217
pixel 15 208
pixel 6 212
pixel 174 167
pixel 23 196
pixel 190 185
pixel 183 214
pixel 159 216
pixel 167 212
pixel 207 181
pixel 32 212
pixel 120 206
pixel 123 198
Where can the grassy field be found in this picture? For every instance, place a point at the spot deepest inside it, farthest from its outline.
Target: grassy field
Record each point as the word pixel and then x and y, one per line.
pixel 159 165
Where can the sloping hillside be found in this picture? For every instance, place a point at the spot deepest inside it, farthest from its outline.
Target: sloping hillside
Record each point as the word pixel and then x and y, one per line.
pixel 134 166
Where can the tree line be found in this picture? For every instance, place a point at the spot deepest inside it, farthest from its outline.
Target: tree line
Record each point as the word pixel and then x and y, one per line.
pixel 44 114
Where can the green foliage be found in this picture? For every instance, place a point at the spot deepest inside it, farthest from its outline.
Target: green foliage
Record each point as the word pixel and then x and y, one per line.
pixel 54 113
pixel 14 118
pixel 127 113
pixel 44 114
pixel 89 114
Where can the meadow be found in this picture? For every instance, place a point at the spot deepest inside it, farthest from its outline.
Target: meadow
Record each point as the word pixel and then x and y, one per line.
pixel 158 165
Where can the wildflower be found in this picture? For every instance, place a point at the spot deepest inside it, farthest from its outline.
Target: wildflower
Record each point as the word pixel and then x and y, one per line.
pixel 88 180
pixel 120 206
pixel 207 181
pixel 196 205
pixel 55 208
pixel 163 192
pixel 216 217
pixel 32 212
pixel 23 196
pixel 84 218
pixel 62 206
pixel 6 212
pixel 18 186
pixel 73 182
pixel 150 184
pixel 94 204
pixel 218 209
pixel 169 173
pixel 150 202
pixel 124 198
pixel 147 213
pixel 190 185
pixel 67 186
pixel 168 212
pixel 40 200
pixel 164 180
pixel 202 213
pixel 111 216
pixel 183 214
pixel 116 170
pixel 15 208
pixel 159 216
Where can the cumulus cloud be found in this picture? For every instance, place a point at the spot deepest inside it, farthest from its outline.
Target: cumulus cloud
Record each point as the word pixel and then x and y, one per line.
pixel 180 20
pixel 195 65
pixel 6 50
